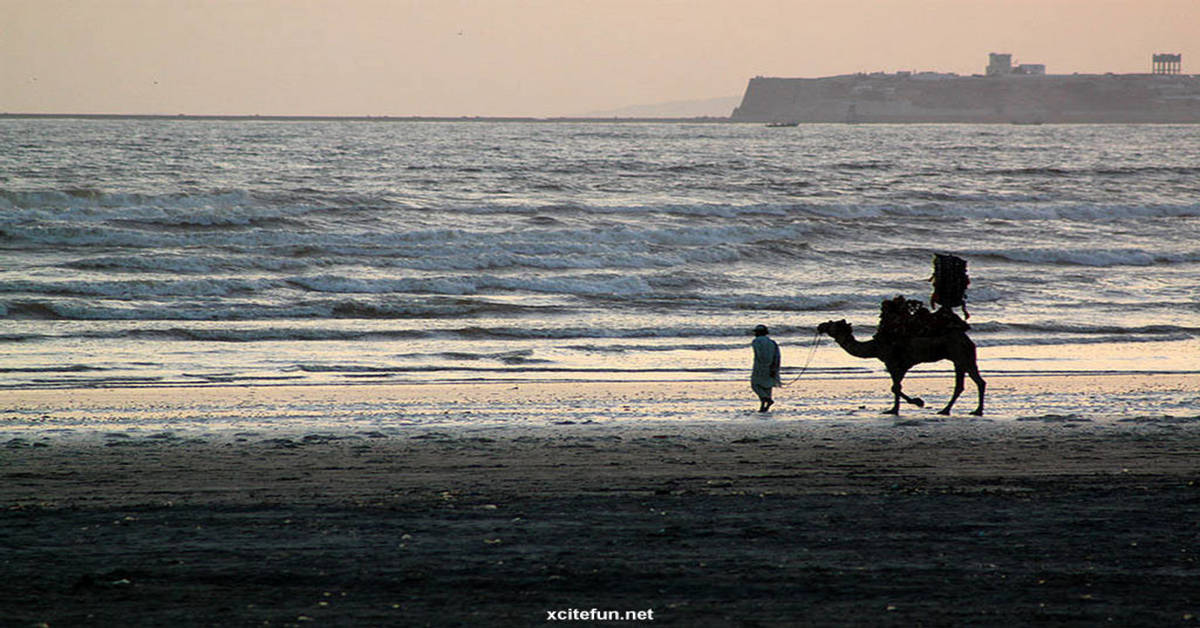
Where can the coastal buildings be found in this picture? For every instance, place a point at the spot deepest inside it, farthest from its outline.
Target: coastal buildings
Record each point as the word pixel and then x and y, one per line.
pixel 1005 92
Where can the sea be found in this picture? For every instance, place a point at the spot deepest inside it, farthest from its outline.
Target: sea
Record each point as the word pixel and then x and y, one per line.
pixel 197 252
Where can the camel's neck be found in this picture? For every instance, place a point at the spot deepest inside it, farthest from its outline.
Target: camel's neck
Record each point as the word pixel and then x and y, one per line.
pixel 869 349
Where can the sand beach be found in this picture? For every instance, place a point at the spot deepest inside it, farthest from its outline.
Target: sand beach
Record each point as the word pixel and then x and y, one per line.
pixel 188 506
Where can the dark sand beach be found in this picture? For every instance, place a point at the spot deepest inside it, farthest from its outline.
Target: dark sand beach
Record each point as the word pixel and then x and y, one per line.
pixel 1040 519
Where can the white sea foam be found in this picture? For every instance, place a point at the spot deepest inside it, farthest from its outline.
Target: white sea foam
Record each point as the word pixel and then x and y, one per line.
pixel 1093 256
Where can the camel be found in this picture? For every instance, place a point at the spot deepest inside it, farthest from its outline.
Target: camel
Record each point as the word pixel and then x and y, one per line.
pixel 902 353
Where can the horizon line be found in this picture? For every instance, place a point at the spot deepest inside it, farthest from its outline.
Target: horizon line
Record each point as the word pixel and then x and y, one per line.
pixel 356 118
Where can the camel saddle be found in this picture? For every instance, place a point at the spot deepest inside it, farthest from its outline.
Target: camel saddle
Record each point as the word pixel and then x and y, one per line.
pixel 901 318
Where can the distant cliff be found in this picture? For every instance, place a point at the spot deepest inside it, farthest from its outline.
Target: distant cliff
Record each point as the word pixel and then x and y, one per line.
pixel 906 97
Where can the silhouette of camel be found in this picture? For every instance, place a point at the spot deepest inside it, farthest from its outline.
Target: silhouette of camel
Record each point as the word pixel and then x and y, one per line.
pixel 902 353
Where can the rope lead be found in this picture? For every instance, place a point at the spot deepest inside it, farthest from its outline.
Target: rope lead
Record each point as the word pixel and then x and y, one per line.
pixel 816 342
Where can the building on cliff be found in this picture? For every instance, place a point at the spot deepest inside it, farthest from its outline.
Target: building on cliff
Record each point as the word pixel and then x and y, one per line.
pixel 1005 93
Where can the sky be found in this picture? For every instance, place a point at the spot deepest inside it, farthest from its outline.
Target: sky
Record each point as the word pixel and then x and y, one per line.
pixel 537 58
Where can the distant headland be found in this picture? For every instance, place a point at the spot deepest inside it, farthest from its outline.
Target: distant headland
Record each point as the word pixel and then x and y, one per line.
pixel 1004 93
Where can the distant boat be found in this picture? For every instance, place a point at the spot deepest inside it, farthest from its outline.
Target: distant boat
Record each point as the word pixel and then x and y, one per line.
pixel 783 124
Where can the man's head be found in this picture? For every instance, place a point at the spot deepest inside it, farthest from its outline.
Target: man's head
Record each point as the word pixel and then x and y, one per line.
pixel 761 330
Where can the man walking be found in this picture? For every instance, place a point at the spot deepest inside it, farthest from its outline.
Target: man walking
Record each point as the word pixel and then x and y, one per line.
pixel 765 374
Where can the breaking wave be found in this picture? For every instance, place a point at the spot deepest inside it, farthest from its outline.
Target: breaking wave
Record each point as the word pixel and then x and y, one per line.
pixel 1096 257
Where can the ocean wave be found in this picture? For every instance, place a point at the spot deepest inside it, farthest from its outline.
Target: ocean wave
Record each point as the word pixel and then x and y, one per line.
pixel 1090 256
pixel 184 264
pixel 438 308
pixel 975 206
pixel 1064 340
pixel 1037 171
pixel 585 338
pixel 1083 329
pixel 77 199
pixel 601 285
pixel 140 288
pixel 65 368
pixel 197 208
pixel 242 310
pixel 654 348
pixel 89 310
pixel 598 285
pixel 468 332
pixel 437 368
pixel 307 207
pixel 1085 172
pixel 523 356
pixel 544 248
pixel 278 238
pixel 435 298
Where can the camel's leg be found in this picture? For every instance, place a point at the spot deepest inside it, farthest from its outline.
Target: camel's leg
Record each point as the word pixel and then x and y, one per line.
pixel 973 371
pixel 916 401
pixel 898 394
pixel 896 377
pixel 959 377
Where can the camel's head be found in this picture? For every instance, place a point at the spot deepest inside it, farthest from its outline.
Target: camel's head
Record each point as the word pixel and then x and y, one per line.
pixel 835 328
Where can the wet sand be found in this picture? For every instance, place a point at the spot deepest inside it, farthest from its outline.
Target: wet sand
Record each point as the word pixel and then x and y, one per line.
pixel 853 519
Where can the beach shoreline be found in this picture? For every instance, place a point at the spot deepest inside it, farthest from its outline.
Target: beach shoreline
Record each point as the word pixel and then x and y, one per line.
pixel 801 391
pixel 850 519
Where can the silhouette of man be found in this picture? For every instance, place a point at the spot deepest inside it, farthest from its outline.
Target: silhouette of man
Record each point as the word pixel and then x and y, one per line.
pixel 765 374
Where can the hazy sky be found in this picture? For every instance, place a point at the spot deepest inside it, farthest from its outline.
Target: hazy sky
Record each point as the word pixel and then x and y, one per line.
pixel 531 57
